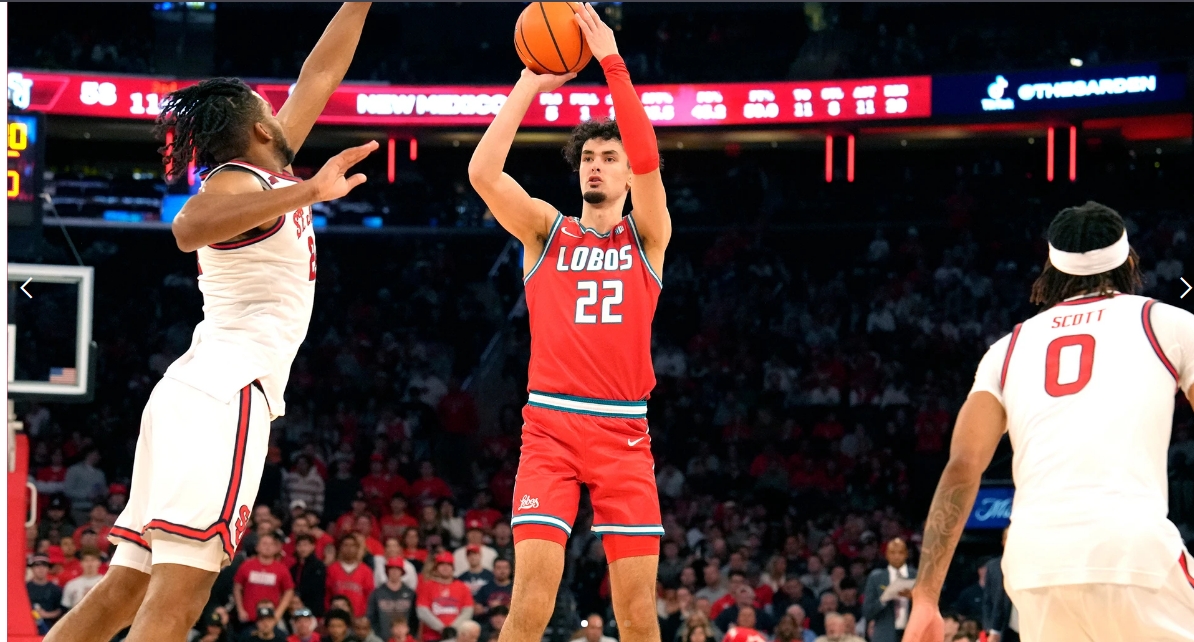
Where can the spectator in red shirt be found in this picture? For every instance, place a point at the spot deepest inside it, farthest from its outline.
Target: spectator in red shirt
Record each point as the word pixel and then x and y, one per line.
pixel 398 483
pixel 411 548
pixel 737 581
pixel 305 526
pixel 442 601
pixel 765 459
pixel 100 525
pixel 396 523
pixel 376 485
pixel 263 577
pixel 68 559
pixel 457 411
pixel 809 475
pixel 830 429
pixel 483 512
pixel 118 498
pixel 364 532
pixel 349 576
pixel 744 629
pixel 428 487
pixel 49 480
pixel 348 522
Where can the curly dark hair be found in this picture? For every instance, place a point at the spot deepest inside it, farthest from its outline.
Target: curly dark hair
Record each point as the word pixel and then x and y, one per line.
pixel 1081 229
pixel 211 123
pixel 606 129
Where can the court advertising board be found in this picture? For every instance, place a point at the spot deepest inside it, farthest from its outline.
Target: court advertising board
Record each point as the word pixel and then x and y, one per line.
pixel 992 508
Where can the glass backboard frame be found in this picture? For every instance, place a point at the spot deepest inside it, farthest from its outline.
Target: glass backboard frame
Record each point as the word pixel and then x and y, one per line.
pixel 84 278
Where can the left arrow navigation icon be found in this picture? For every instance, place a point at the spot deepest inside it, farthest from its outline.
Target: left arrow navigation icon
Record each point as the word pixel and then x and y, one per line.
pixel 23 287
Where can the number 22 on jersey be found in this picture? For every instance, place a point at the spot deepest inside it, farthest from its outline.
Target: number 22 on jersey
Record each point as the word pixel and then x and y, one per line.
pixel 1078 358
pixel 611 295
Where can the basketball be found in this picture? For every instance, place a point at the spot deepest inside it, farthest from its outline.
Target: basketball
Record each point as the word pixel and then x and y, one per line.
pixel 549 41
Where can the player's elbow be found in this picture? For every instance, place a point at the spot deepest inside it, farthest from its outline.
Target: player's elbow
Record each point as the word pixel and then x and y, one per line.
pixel 965 466
pixel 478 177
pixel 184 236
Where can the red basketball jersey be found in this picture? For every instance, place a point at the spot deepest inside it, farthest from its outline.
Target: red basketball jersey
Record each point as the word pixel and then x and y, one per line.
pixel 591 298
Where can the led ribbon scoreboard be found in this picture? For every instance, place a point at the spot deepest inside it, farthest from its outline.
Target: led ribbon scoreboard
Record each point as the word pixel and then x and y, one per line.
pixel 704 105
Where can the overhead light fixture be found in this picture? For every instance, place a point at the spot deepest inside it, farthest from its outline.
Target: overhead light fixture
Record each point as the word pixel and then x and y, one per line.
pixel 1075 62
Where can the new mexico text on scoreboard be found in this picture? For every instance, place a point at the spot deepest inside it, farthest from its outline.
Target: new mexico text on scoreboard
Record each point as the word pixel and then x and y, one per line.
pixel 705 105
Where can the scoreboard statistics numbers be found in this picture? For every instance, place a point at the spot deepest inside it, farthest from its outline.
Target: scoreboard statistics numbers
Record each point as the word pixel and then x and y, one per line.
pixel 24 157
pixel 667 105
pixel 705 105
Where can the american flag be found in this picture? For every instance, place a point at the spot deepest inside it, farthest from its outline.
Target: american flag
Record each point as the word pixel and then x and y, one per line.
pixel 66 376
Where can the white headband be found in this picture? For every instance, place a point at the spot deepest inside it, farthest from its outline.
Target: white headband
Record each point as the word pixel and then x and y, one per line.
pixel 1092 262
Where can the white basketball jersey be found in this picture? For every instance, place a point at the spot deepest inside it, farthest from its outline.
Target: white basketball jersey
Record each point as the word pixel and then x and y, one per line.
pixel 257 298
pixel 1089 387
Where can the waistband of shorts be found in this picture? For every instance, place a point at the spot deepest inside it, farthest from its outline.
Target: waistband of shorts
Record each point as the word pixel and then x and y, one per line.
pixel 588 406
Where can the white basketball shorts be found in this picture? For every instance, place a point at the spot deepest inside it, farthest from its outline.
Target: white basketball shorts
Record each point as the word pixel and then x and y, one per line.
pixel 1107 612
pixel 196 473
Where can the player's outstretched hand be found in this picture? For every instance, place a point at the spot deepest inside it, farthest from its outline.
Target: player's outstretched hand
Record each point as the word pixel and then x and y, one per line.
pixel 598 34
pixel 330 183
pixel 544 82
pixel 925 624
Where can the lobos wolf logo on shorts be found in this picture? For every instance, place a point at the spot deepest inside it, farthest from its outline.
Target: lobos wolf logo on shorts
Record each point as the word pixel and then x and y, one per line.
pixel 528 502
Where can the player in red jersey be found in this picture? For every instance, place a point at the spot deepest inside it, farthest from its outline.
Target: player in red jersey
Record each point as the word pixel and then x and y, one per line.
pixel 591 289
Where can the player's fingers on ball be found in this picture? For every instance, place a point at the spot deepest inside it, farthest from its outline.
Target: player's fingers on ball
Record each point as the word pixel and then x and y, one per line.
pixel 582 21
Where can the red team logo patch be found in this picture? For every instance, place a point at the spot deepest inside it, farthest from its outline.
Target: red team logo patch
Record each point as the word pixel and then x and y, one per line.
pixel 242 525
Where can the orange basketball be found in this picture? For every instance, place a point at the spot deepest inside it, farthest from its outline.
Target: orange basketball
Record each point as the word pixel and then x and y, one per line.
pixel 549 41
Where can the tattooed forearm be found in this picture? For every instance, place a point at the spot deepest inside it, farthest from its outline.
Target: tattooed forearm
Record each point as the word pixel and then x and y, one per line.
pixel 947 517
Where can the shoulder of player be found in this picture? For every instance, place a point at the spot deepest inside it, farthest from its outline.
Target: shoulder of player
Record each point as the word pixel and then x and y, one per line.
pixel 1163 315
pixel 232 179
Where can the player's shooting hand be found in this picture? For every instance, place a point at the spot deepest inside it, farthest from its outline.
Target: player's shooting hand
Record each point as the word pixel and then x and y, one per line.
pixel 598 34
pixel 925 624
pixel 330 183
pixel 544 82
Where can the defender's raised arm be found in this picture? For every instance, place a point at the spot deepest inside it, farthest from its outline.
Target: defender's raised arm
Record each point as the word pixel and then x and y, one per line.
pixel 322 72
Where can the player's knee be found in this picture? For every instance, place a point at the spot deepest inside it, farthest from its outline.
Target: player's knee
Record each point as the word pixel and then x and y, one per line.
pixel 122 591
pixel 534 603
pixel 639 620
pixel 179 592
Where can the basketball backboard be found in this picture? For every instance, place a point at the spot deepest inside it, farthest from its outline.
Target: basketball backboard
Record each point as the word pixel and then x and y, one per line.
pixel 50 352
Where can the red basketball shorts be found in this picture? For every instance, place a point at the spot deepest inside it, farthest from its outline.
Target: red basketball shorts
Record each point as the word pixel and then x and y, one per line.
pixel 568 441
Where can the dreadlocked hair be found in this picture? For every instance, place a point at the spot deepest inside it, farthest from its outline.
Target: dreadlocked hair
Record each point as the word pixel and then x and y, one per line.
pixel 1081 229
pixel 606 129
pixel 210 122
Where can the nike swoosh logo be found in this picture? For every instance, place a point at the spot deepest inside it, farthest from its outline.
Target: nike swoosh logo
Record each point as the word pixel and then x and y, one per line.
pixel 631 443
pixel 566 232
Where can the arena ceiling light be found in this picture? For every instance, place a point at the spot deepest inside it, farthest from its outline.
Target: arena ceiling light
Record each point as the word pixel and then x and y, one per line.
pixel 1075 62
